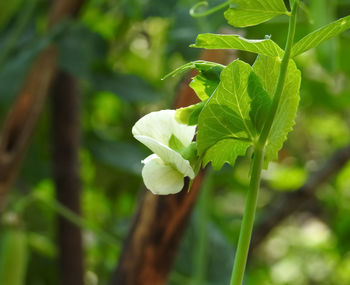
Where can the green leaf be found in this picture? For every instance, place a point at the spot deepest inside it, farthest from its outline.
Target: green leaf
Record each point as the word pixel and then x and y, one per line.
pixel 267 68
pixel 203 87
pixel 200 65
pixel 214 41
pixel 261 102
pixel 205 83
pixel 226 150
pixel 226 117
pixel 189 115
pixel 322 34
pixel 251 12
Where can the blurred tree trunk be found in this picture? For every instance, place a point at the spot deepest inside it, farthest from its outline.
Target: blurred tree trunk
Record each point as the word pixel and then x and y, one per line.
pixel 66 136
pixel 153 240
pixel 17 132
pixel 24 114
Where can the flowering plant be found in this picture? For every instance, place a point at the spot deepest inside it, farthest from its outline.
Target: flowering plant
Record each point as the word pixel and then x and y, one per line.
pixel 174 151
pixel 243 107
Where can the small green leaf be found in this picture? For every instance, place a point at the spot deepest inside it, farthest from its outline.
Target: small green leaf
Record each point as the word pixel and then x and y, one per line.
pixel 322 34
pixel 214 41
pixel 205 83
pixel 189 115
pixel 226 117
pixel 203 87
pixel 261 102
pixel 251 12
pixel 267 68
pixel 200 65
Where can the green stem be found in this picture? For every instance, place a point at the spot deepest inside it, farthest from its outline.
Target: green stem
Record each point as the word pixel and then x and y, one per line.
pixel 249 212
pixel 195 14
pixel 248 220
pixel 201 246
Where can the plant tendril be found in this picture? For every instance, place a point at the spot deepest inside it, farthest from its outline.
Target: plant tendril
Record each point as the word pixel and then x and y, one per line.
pixel 195 14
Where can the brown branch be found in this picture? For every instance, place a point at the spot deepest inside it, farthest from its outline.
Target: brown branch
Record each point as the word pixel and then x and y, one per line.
pixel 154 237
pixel 66 130
pixel 287 204
pixel 23 116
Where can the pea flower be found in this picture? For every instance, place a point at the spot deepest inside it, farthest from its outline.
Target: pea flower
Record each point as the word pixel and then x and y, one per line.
pixel 164 171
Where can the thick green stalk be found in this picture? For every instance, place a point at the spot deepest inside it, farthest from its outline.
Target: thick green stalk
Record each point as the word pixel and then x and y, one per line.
pixel 249 213
pixel 201 247
pixel 248 219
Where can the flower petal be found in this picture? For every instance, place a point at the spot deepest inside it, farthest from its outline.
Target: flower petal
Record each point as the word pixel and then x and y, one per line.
pixel 161 178
pixel 169 156
pixel 161 125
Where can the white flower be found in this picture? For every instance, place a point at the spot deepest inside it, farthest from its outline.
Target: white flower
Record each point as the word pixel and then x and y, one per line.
pixel 164 171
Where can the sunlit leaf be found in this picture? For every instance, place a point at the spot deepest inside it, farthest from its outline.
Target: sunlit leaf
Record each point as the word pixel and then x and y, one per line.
pixel 226 117
pixel 267 68
pixel 251 12
pixel 214 41
pixel 261 102
pixel 323 34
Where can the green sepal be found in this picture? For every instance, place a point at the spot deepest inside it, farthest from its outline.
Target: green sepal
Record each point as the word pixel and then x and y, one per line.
pixel 189 153
pixel 175 143
pixel 189 115
pixel 200 65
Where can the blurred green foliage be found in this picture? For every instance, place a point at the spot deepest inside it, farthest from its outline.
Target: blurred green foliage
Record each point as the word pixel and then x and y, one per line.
pixel 119 50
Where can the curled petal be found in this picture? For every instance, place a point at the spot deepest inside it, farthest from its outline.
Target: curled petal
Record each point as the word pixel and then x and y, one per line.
pixel 169 156
pixel 160 178
pixel 161 125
